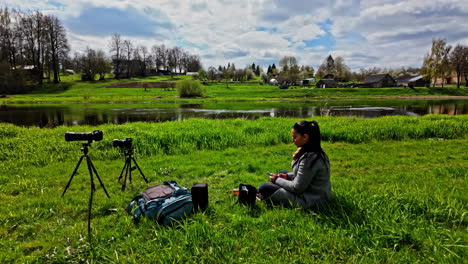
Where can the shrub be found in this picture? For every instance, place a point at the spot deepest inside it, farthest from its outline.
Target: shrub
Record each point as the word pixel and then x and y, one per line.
pixel 12 81
pixel 189 88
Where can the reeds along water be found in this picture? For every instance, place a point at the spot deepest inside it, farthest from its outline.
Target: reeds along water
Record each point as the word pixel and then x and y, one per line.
pixel 39 145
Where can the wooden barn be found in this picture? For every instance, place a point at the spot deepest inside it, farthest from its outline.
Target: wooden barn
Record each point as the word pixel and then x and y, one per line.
pixel 379 81
pixel 410 81
pixel 327 83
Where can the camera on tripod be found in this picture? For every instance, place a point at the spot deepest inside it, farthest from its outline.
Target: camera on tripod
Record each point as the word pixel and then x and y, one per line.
pixel 122 143
pixel 96 135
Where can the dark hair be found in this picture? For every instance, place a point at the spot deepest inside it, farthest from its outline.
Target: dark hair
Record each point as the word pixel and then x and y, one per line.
pixel 312 129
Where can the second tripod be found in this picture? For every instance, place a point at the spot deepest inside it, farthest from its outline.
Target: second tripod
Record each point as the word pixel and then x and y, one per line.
pixel 127 146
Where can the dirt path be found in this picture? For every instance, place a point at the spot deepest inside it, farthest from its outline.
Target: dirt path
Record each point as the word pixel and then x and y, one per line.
pixel 438 97
pixel 164 85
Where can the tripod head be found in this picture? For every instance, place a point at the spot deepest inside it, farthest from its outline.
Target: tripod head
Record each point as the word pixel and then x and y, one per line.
pixel 85 147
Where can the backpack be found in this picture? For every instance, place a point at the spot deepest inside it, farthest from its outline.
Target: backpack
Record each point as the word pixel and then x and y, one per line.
pixel 164 203
pixel 247 194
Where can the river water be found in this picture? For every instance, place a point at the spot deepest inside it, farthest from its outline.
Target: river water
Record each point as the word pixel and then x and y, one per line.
pixel 69 115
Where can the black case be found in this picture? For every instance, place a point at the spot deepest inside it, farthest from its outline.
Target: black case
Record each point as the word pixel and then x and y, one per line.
pixel 247 194
pixel 200 196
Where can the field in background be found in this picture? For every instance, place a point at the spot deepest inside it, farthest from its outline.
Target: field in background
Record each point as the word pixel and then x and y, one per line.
pixel 73 91
pixel 399 188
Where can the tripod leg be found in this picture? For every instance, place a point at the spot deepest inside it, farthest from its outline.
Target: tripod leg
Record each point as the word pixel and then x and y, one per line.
pixel 130 170
pixel 97 176
pixel 90 205
pixel 128 165
pixel 123 169
pixel 136 164
pixel 73 175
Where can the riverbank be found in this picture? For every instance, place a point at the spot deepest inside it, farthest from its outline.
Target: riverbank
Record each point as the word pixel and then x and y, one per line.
pixel 398 183
pixel 95 92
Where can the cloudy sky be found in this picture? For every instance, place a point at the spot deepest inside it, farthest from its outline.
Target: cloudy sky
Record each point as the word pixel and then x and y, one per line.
pixel 366 33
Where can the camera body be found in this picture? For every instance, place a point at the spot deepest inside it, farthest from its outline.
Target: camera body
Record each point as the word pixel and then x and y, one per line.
pixel 122 143
pixel 96 135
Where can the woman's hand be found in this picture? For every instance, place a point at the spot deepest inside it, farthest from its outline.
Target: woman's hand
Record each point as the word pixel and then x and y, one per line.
pixel 273 177
pixel 283 175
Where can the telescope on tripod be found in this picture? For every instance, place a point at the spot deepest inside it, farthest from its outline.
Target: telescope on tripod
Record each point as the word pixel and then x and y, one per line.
pixel 126 146
pixel 89 137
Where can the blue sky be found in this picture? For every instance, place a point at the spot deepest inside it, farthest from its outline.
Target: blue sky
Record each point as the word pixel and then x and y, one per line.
pixel 372 33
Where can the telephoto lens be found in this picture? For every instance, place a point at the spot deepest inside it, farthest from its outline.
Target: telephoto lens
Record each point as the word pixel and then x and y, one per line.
pixel 96 135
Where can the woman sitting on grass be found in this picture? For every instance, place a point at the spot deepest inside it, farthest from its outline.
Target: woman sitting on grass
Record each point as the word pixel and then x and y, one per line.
pixel 309 184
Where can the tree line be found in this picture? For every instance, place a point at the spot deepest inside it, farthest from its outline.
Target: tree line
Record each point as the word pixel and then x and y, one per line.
pixel 34 47
pixel 129 60
pixel 442 61
pixel 32 42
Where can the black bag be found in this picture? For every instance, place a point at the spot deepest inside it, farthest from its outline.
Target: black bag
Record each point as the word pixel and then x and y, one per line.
pixel 247 194
pixel 200 196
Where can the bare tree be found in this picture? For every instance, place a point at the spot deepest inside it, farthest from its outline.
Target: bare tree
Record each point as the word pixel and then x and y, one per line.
pixel 116 47
pixel 102 65
pixel 87 65
pixel 58 43
pixel 193 63
pixel 160 57
pixel 8 37
pixel 458 58
pixel 128 50
pixel 172 60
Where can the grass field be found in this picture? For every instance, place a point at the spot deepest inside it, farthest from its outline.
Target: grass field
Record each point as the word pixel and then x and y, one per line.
pixel 399 187
pixel 74 91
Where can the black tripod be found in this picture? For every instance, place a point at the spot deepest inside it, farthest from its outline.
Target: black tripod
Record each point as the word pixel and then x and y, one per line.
pixel 91 169
pixel 128 168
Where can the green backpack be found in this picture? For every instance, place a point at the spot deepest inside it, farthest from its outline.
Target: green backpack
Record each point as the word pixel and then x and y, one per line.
pixel 165 203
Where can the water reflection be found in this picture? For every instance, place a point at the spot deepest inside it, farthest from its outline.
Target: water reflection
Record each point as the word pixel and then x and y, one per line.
pixel 51 116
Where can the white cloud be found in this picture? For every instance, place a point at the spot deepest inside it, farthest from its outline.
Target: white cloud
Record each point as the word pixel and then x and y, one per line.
pixel 366 33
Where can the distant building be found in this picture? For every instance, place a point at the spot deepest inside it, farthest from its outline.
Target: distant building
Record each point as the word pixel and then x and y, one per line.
pixel 379 81
pixel 410 81
pixel 308 81
pixel 327 83
pixel 195 74
pixel 451 78
pixel 329 76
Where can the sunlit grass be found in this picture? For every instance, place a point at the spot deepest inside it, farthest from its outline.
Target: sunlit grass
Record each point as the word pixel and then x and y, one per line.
pixel 399 187
pixel 71 90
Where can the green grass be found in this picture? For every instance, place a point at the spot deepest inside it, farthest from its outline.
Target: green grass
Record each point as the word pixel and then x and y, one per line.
pixel 74 91
pixel 399 188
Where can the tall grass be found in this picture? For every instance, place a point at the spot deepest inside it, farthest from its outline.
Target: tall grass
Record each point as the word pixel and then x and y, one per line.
pixel 198 134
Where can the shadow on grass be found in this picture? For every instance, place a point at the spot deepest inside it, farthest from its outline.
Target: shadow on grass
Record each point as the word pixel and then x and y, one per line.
pixel 448 91
pixel 51 88
pixel 340 212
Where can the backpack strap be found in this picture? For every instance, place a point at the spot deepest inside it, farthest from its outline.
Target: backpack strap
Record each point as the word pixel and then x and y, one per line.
pixel 178 190
pixel 130 206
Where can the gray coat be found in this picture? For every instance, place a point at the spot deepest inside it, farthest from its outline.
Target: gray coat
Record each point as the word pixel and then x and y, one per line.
pixel 308 185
